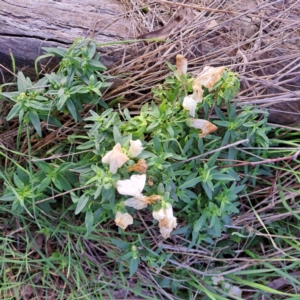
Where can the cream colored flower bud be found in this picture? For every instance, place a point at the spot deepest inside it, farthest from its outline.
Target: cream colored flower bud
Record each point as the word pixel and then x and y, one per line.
pixel 123 220
pixel 181 64
pixel 190 104
pixel 233 290
pixel 133 187
pixel 207 78
pixel 135 148
pixel 205 126
pixel 166 221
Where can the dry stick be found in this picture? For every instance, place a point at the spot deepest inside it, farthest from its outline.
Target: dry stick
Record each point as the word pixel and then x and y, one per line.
pixel 148 229
pixel 292 157
pixel 272 160
pixel 196 7
pixel 64 193
pixel 216 10
pixel 184 266
pixel 216 150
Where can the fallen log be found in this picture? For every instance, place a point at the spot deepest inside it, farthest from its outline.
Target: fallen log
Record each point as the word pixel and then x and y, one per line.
pixel 28 25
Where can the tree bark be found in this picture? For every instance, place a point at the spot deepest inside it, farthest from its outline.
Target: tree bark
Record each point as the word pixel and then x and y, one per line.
pixel 28 25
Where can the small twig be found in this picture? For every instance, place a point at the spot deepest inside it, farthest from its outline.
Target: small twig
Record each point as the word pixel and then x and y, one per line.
pixel 58 156
pixel 216 150
pixel 197 7
pixel 61 194
pixel 266 161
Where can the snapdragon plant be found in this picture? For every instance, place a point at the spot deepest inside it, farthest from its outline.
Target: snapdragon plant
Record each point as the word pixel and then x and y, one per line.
pixel 174 161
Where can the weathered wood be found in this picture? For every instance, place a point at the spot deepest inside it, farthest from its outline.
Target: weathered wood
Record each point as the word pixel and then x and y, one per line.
pixel 28 25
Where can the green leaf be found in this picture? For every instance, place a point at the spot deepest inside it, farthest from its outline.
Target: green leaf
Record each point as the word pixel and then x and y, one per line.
pixel 60 52
pixel 201 221
pixel 190 183
pixel 72 109
pixel 10 95
pixel 152 126
pixel 44 184
pixel 207 190
pixel 157 144
pixel 51 120
pixel 108 195
pixel 89 221
pixel 66 186
pixel 121 244
pixel 74 198
pixel 22 83
pixel 14 111
pixel 18 182
pixel 222 177
pixel 91 50
pixel 117 135
pixel 83 200
pixel 212 160
pixel 219 114
pixel 35 120
pixel 44 166
pixel 222 123
pixel 97 65
pixel 134 263
pixel 8 197
pixel 78 89
pixel 38 59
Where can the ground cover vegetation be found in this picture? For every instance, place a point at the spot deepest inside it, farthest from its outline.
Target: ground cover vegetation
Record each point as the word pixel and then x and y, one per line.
pixel 71 232
pixel 114 194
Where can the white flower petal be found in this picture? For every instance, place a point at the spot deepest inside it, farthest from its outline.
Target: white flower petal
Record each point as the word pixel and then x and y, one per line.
pixel 198 93
pixel 199 123
pixel 233 290
pixel 158 215
pixel 123 220
pixel 139 181
pixel 115 158
pixel 136 203
pixel 133 186
pixel 217 279
pixel 205 126
pixel 167 222
pixel 189 104
pixel 209 76
pixel 135 148
pixel 165 232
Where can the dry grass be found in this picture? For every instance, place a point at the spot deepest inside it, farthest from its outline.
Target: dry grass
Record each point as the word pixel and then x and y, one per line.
pixel 261 41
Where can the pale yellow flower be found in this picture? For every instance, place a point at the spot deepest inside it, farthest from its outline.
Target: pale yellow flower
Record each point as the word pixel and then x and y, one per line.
pixel 217 279
pixel 115 158
pixel 207 78
pixel 181 64
pixel 233 290
pixel 123 220
pixel 133 187
pixel 166 221
pixel 189 104
pixel 205 126
pixel 135 148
